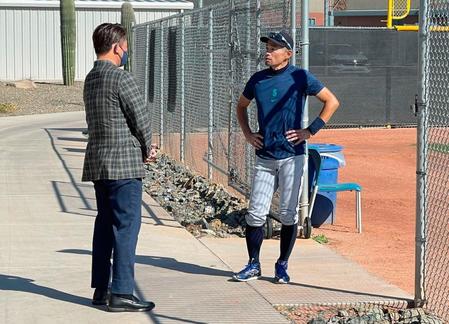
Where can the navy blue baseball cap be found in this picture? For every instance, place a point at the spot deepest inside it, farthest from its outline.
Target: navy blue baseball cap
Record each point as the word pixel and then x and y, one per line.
pixel 281 38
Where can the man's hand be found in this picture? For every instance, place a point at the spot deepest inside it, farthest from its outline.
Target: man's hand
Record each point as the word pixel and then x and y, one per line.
pixel 255 139
pixel 152 154
pixel 296 136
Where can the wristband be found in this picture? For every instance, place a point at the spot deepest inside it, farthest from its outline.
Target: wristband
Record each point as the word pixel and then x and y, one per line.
pixel 316 125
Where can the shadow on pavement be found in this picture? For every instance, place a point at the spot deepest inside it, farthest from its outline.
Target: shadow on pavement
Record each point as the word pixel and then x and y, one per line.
pixel 73 181
pixel 75 150
pixel 154 317
pixel 166 263
pixel 14 283
pixel 336 290
pixel 73 139
pixel 62 189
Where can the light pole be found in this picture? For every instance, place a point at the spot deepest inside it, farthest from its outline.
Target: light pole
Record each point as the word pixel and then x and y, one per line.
pixel 326 13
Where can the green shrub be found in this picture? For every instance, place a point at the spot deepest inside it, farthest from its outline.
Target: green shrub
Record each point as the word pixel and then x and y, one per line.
pixel 322 239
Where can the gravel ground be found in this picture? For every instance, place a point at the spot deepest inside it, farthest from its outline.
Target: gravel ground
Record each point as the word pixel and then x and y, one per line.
pixel 203 208
pixel 45 98
pixel 366 314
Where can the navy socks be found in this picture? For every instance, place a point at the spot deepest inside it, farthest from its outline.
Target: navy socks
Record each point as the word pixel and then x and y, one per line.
pixel 254 238
pixel 288 239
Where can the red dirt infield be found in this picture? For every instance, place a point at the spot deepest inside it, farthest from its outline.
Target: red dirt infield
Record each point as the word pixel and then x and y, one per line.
pixel 383 162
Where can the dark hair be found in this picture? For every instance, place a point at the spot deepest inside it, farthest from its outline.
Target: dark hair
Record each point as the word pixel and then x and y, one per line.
pixel 107 34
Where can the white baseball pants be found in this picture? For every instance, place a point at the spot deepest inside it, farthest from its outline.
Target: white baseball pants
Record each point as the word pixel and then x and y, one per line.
pixel 269 176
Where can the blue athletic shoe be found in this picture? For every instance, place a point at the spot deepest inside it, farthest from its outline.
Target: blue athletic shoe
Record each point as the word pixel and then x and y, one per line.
pixel 250 272
pixel 280 272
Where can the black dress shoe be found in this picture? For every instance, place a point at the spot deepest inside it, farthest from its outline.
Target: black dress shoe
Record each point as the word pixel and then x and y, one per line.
pixel 128 303
pixel 100 297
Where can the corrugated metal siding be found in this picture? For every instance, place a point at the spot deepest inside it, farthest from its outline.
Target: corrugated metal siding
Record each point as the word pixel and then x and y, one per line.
pixel 87 20
pixel 32 46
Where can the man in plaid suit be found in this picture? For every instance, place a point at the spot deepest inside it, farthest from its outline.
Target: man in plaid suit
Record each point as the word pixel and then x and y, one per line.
pixel 118 122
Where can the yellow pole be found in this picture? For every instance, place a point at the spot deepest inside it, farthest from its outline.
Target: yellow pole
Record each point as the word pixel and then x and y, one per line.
pixel 390 14
pixel 407 28
pixel 444 29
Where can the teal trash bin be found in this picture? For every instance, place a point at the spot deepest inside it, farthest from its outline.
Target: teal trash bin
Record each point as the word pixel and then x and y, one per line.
pixel 324 210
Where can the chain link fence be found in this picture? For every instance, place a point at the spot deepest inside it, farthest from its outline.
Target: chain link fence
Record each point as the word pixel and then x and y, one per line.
pixel 192 68
pixel 251 20
pixel 433 160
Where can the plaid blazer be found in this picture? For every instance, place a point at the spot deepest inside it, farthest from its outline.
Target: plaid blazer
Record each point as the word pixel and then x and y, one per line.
pixel 118 122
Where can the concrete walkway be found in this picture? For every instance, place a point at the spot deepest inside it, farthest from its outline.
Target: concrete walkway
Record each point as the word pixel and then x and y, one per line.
pixel 46 221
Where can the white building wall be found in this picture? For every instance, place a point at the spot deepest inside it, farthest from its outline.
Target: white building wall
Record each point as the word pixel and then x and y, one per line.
pixel 88 19
pixel 31 46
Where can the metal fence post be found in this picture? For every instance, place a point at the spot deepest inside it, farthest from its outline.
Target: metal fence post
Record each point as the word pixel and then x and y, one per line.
pixel 182 136
pixel 286 6
pixel 304 204
pixel 293 30
pixel 147 29
pixel 258 34
pixel 231 90
pixel 326 13
pixel 248 148
pixel 421 168
pixel 211 98
pixel 331 14
pixel 161 101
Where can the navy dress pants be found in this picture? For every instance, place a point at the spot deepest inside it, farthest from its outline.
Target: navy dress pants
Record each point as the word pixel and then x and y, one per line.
pixel 116 229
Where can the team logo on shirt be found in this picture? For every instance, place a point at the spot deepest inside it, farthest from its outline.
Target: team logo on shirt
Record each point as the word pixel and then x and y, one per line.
pixel 274 95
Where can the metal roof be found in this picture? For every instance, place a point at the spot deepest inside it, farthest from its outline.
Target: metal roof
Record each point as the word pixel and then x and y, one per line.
pixel 105 4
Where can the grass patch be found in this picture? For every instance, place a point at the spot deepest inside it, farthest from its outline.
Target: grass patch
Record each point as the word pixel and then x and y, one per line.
pixel 322 239
pixel 439 147
pixel 7 108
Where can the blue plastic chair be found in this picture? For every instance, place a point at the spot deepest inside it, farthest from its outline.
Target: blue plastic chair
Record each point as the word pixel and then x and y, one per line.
pixel 315 158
